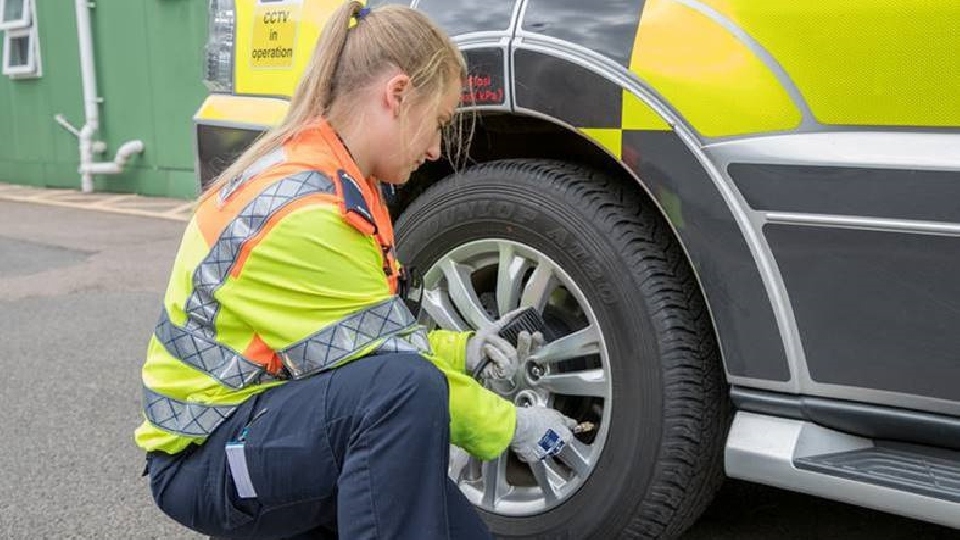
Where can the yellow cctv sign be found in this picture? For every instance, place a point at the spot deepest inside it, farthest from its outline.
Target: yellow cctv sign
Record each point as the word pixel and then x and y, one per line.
pixel 274 33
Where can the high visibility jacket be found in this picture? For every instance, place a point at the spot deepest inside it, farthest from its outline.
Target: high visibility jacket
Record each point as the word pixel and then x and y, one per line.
pixel 283 273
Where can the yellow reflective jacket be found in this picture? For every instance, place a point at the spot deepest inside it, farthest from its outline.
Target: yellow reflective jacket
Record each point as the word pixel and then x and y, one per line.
pixel 285 272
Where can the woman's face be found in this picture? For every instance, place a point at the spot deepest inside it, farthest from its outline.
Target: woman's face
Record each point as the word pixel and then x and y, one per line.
pixel 415 137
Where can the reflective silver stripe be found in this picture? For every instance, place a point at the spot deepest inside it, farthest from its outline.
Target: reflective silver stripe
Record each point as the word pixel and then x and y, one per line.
pixel 191 419
pixel 220 362
pixel 391 320
pixel 415 342
pixel 395 345
pixel 258 166
pixel 343 338
pixel 202 307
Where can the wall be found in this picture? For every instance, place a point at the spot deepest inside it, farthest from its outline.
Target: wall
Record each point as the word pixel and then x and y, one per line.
pixel 149 61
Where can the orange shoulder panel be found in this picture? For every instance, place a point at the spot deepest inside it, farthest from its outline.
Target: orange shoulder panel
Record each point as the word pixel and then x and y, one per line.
pixel 214 216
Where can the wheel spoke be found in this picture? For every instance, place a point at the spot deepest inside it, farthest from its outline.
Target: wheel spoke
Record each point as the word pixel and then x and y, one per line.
pixel 542 473
pixel 580 343
pixel 542 282
pixel 509 279
pixel 438 306
pixel 494 480
pixel 577 456
pixel 463 294
pixel 476 468
pixel 591 382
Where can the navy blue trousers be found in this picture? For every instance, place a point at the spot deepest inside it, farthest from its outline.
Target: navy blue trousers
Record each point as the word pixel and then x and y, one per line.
pixel 360 452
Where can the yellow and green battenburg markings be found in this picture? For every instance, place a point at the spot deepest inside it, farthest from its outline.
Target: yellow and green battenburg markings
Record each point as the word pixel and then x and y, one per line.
pixel 635 115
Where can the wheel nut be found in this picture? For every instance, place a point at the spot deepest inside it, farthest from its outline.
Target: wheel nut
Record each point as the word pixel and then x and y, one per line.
pixel 535 371
pixel 526 398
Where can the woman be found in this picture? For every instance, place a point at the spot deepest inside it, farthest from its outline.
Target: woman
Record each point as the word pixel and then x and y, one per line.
pixel 287 390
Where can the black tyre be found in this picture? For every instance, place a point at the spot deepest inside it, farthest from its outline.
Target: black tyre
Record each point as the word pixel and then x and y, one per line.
pixel 633 347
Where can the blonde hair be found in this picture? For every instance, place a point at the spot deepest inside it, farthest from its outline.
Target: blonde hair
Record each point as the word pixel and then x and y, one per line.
pixel 352 52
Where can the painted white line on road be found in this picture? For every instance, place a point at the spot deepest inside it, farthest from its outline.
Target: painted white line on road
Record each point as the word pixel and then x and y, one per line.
pixel 55 194
pixel 184 208
pixel 92 207
pixel 114 199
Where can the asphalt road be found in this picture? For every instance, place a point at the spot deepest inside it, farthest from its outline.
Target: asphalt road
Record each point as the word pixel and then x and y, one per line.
pixel 79 295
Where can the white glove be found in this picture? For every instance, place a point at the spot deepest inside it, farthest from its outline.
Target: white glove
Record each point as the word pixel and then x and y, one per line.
pixel 527 344
pixel 541 432
pixel 487 345
pixel 458 460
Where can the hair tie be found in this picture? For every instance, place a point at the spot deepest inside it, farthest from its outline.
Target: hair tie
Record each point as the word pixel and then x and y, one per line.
pixel 358 16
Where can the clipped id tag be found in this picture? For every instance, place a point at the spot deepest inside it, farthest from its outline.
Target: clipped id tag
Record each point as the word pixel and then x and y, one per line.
pixel 550 444
pixel 237 460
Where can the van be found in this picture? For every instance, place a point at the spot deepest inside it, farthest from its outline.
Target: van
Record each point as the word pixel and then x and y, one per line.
pixel 740 220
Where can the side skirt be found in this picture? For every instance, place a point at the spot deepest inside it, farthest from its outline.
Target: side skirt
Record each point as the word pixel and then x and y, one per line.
pixel 801 456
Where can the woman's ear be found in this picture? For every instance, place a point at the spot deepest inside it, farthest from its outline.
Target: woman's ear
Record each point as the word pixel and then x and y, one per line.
pixel 397 89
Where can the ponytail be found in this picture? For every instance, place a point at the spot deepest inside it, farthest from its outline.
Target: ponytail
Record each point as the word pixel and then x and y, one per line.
pixel 312 97
pixel 314 93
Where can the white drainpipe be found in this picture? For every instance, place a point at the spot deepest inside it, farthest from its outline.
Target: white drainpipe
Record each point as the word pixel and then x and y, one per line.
pixel 116 166
pixel 88 74
pixel 91 100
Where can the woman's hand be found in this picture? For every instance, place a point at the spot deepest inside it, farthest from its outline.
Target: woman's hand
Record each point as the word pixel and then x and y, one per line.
pixel 541 432
pixel 458 460
pixel 493 356
pixel 527 345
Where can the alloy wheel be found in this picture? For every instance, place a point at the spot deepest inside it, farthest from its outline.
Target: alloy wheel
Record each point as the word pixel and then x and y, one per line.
pixel 477 283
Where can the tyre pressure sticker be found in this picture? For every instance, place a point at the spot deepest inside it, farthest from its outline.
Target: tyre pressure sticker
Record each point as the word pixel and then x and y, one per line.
pixel 275 25
pixel 486 83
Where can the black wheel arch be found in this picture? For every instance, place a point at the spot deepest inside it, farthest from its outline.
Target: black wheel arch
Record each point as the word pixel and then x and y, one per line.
pixel 657 166
pixel 501 136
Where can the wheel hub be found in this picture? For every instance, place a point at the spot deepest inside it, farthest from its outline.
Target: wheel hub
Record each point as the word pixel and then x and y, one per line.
pixel 523 388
